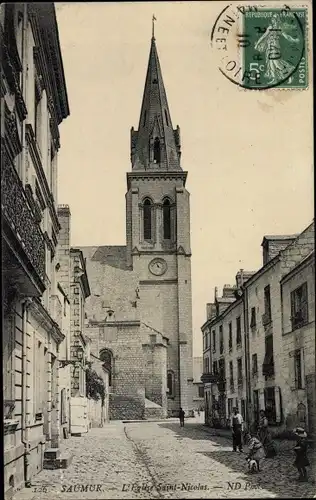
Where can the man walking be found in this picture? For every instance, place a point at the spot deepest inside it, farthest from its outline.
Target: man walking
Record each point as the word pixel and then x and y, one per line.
pixel 181 417
pixel 236 424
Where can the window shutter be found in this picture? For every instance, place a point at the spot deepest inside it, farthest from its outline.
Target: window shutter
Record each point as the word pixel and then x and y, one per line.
pixel 292 307
pixel 278 405
pixel 304 303
pixel 302 368
pixel 292 371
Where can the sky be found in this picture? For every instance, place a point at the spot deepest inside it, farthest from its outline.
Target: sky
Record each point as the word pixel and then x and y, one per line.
pixel 249 154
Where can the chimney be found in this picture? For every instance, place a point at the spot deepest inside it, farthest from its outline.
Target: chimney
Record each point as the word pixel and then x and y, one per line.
pixel 210 311
pixel 229 291
pixel 240 278
pixel 63 247
pixel 216 293
pixel 273 245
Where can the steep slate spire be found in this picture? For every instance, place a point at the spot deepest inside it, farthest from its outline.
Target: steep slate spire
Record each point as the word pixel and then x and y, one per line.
pixel 155 146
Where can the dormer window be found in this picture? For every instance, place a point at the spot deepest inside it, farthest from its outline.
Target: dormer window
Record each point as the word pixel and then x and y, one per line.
pixel 155 81
pixel 157 150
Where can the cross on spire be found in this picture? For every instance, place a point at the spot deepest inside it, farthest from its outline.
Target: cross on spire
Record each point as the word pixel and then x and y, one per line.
pixel 153 26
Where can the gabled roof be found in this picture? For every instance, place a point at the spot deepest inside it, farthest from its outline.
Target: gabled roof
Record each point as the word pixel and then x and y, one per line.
pixel 111 255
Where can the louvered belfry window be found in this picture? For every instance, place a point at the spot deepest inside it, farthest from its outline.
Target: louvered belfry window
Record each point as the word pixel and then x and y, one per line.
pixel 147 219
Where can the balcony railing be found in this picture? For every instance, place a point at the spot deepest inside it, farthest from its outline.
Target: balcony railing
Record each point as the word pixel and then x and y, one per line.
pixel 19 216
pixel 209 378
pixel 268 369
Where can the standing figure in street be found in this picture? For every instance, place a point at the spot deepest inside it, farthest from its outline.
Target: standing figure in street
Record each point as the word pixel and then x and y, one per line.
pixel 181 417
pixel 237 424
pixel 263 429
pixel 264 435
pixel 300 450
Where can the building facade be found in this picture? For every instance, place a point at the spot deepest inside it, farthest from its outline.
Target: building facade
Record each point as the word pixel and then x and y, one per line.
pixel 224 355
pixel 147 283
pixel 33 104
pixel 198 386
pixel 72 277
pixel 298 345
pixel 265 340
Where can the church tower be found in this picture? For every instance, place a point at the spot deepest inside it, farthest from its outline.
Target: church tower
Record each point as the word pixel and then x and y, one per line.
pixel 158 233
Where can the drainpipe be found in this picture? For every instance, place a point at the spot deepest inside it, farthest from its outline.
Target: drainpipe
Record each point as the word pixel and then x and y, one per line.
pixel 25 404
pixel 247 355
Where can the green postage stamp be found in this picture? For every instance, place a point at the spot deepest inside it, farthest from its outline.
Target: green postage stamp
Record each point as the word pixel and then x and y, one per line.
pixel 275 56
pixel 263 47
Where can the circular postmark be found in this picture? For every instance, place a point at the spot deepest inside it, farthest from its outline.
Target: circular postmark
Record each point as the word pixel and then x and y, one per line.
pixel 262 47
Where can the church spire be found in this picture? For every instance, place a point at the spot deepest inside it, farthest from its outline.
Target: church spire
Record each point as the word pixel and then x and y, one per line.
pixel 155 145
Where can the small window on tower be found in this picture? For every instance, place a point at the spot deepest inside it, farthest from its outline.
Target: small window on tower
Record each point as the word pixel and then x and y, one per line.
pixel 166 220
pixel 157 150
pixel 166 116
pixel 147 219
pixel 155 80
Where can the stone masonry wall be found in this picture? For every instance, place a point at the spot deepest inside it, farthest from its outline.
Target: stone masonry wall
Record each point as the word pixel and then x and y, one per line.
pixel 127 400
pixel 155 351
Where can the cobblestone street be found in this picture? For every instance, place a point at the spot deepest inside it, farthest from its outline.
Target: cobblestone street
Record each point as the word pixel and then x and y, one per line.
pixel 162 460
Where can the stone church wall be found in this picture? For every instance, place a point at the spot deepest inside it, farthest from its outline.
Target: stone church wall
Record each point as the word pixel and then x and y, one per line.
pixel 155 351
pixel 127 393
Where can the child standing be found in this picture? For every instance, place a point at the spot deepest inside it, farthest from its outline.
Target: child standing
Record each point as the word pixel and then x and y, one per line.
pixel 300 450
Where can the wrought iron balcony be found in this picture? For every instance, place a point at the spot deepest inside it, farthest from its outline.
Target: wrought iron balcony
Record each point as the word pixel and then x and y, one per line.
pixel 209 378
pixel 20 223
pixel 268 369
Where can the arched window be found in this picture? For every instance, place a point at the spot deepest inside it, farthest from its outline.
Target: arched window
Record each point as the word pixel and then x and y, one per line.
pixel 166 209
pixel 170 382
pixel 157 150
pixel 107 357
pixel 147 219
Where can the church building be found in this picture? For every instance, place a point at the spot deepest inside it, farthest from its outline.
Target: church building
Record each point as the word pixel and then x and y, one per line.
pixel 139 314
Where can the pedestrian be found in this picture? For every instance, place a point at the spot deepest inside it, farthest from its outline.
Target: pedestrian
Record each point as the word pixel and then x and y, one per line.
pixel 263 425
pixel 264 435
pixel 198 411
pixel 181 417
pixel 255 449
pixel 237 424
pixel 300 450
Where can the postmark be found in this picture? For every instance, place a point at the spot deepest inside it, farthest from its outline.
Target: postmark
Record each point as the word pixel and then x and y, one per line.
pixel 262 47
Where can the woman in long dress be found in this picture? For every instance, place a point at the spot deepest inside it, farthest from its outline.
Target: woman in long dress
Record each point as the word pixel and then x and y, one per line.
pixel 265 436
pixel 276 68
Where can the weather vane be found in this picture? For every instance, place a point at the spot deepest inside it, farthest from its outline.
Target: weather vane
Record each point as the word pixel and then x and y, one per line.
pixel 153 25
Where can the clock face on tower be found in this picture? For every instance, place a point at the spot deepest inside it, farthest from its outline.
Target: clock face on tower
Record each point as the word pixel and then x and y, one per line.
pixel 158 267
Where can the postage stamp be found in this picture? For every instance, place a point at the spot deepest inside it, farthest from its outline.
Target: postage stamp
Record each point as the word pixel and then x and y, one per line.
pixel 263 47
